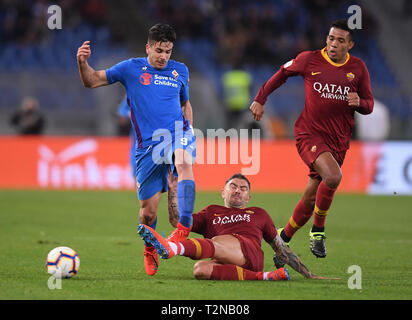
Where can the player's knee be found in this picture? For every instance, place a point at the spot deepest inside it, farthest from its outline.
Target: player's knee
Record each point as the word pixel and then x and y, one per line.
pixel 333 180
pixel 147 214
pixel 202 270
pixel 183 168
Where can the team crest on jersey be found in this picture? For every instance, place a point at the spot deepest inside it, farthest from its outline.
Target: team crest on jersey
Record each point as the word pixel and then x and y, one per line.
pixel 350 76
pixel 175 74
pixel 313 149
pixel 146 79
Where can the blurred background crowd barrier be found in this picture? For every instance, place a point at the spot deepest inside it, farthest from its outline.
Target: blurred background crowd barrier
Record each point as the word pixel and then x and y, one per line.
pixel 231 48
pixel 102 163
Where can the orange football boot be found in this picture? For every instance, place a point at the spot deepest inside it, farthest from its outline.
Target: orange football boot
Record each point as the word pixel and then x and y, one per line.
pixel 151 261
pixel 179 234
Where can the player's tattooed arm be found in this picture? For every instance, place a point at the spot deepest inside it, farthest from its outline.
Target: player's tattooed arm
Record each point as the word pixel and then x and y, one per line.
pixel 289 257
pixel 172 200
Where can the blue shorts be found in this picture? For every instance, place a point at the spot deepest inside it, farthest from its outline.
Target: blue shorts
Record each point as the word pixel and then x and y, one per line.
pixel 154 162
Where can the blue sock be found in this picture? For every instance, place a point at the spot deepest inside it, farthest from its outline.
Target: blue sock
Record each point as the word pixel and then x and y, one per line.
pixel 186 193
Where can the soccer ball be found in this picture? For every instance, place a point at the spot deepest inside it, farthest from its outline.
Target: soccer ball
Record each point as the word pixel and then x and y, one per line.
pixel 62 262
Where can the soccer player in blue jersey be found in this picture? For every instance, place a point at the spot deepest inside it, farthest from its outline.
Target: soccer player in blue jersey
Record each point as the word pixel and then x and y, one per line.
pixel 157 90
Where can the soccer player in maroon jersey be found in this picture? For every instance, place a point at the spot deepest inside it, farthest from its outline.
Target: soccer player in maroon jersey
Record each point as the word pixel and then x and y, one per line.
pixel 337 85
pixel 232 239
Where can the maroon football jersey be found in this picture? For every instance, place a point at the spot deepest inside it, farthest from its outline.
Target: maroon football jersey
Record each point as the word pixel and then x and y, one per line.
pixel 326 112
pixel 253 223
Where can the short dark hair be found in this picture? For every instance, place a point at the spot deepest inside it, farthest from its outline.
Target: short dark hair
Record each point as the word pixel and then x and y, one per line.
pixel 343 25
pixel 238 176
pixel 161 32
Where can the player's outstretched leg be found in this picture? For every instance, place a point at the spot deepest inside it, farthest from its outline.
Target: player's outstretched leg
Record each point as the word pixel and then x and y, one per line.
pixel 234 272
pixel 161 245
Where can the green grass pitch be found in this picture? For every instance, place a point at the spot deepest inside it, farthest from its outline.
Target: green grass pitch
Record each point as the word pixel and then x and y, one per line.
pixel 369 231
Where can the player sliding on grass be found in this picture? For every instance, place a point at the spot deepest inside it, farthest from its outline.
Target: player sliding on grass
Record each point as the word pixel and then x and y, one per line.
pixel 336 85
pixel 157 91
pixel 233 235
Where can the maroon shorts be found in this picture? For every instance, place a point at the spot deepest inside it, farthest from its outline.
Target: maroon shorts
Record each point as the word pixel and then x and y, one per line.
pixel 252 252
pixel 309 149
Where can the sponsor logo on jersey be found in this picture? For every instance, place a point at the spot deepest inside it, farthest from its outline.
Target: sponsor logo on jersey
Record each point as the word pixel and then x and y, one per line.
pixel 315 73
pixel 165 81
pixel 331 91
pixel 313 149
pixel 146 79
pixel 231 219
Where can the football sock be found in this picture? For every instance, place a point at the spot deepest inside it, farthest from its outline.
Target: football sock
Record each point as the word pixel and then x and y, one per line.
pixel 233 272
pixel 186 192
pixel 317 229
pixel 195 249
pixel 323 201
pixel 301 215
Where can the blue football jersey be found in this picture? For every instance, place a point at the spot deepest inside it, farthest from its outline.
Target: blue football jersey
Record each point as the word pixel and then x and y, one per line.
pixel 154 95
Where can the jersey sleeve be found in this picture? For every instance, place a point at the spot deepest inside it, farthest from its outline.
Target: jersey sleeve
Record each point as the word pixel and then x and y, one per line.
pixel 291 68
pixel 117 72
pixel 269 230
pixel 184 90
pixel 365 93
pixel 200 221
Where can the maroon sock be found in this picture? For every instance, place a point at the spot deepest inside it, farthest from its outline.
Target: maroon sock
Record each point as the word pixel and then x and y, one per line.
pixel 198 249
pixel 324 197
pixel 301 215
pixel 233 272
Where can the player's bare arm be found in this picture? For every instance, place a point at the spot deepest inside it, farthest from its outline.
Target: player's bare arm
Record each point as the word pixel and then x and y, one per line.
pixel 290 258
pixel 90 77
pixel 353 99
pixel 188 111
pixel 257 110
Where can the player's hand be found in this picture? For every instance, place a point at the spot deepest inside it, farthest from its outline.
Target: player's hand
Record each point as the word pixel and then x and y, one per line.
pixel 314 276
pixel 84 52
pixel 257 110
pixel 353 99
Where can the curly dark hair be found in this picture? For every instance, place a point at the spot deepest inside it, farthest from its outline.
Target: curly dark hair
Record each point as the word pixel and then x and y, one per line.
pixel 161 32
